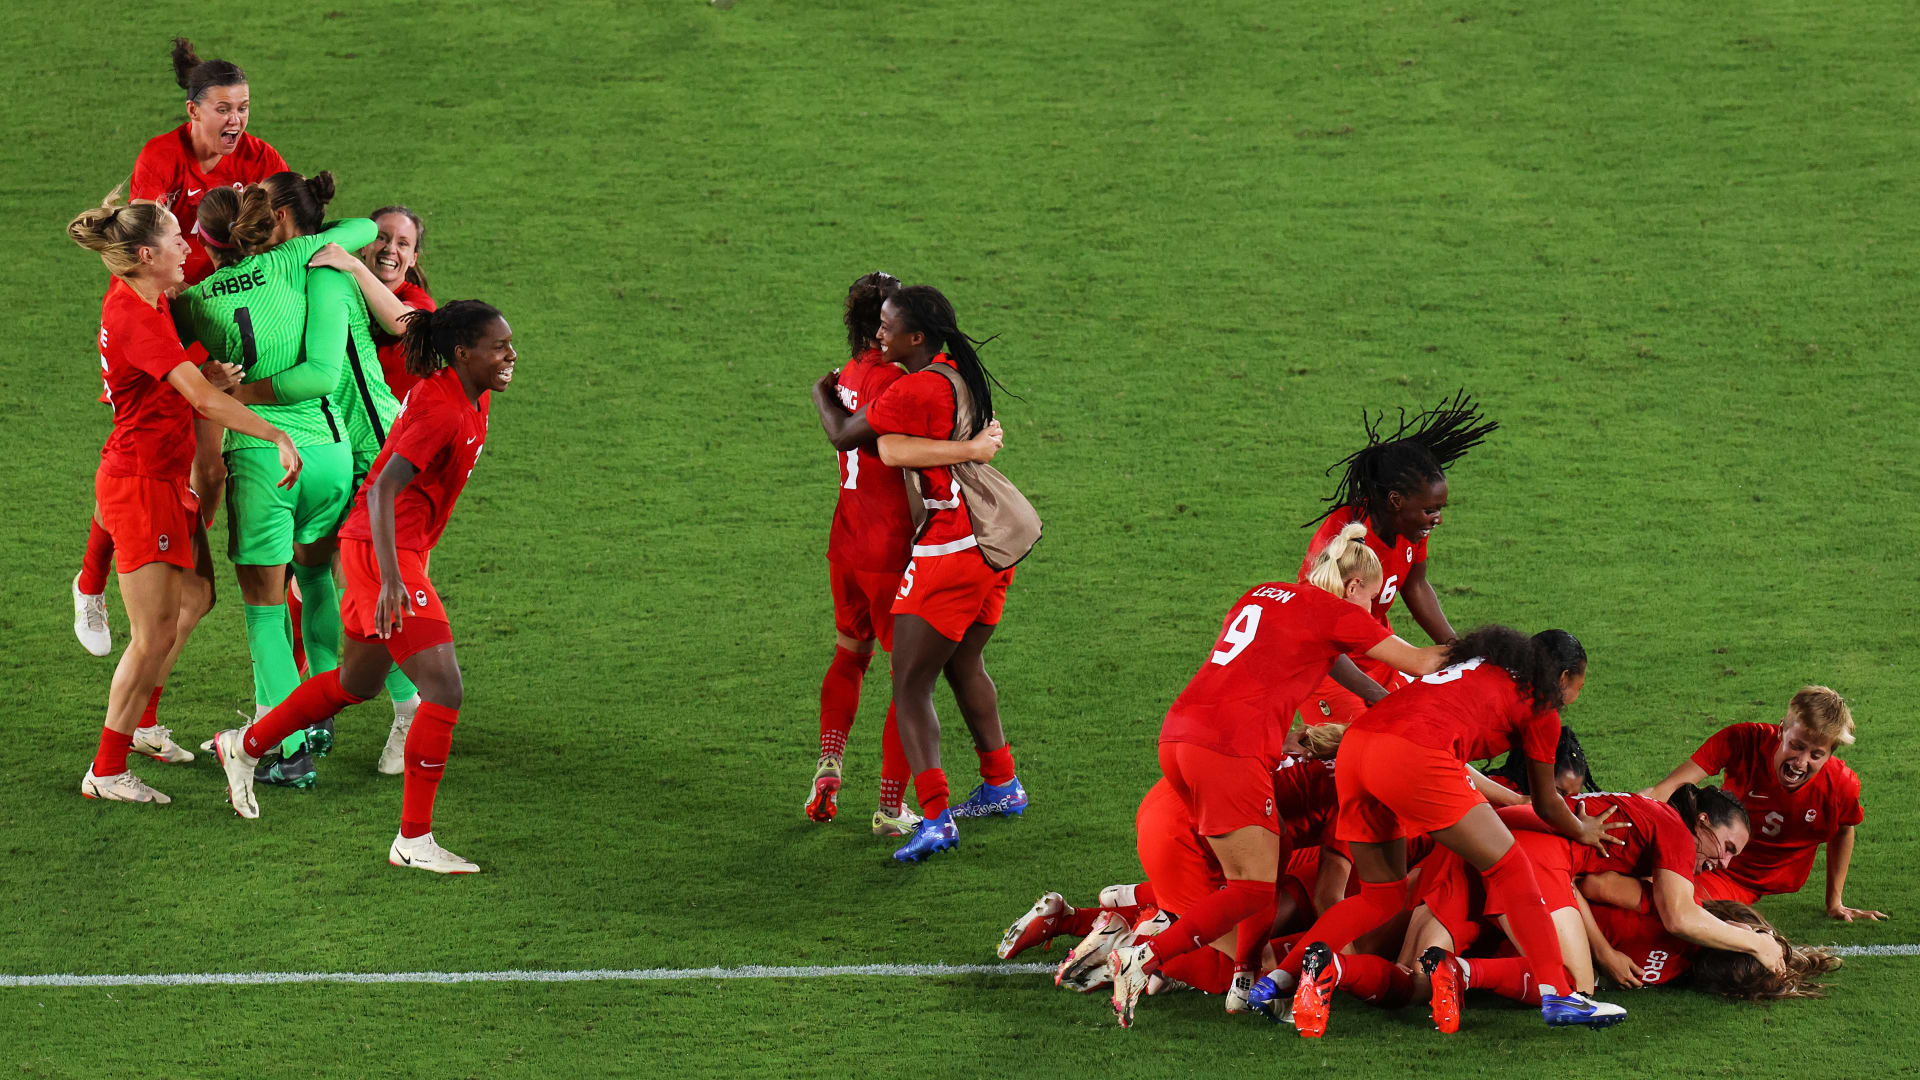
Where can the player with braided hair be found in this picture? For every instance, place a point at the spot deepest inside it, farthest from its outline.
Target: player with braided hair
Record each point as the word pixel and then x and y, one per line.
pixel 1397 487
pixel 461 353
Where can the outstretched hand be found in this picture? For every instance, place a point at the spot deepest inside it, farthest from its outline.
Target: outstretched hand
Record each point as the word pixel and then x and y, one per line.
pixel 1597 831
pixel 1849 914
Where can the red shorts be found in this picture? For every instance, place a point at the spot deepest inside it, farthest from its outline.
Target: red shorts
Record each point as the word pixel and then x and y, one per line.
pixel 1178 862
pixel 1456 897
pixel 952 592
pixel 1390 788
pixel 424 623
pixel 1221 792
pixel 1716 885
pixel 1552 856
pixel 150 520
pixel 863 603
pixel 1332 703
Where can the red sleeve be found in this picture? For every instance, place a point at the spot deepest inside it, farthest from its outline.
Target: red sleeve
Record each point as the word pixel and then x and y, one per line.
pixel 152 175
pixel 919 404
pixel 1540 738
pixel 1673 847
pixel 1714 754
pixel 429 427
pixel 1846 803
pixel 1354 630
pixel 1321 537
pixel 270 160
pixel 150 350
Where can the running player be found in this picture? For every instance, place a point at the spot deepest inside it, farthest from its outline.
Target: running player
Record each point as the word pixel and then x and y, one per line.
pixel 160 546
pixel 1804 797
pixel 1397 488
pixel 462 353
pixel 1222 740
pixel 394 258
pixel 253 312
pixel 212 149
pixel 866 551
pixel 1403 772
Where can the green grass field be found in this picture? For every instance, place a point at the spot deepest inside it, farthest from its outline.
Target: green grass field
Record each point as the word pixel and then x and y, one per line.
pixel 1670 250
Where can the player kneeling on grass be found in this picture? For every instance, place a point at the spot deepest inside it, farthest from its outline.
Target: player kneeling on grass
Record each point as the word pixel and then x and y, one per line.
pixel 1799 794
pixel 463 353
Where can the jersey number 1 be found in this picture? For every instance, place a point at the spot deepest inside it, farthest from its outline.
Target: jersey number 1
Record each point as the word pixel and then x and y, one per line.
pixel 853 470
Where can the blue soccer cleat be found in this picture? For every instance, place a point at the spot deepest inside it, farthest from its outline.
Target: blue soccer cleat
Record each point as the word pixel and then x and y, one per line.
pixel 931 835
pixel 1564 1010
pixel 1008 799
pixel 1267 999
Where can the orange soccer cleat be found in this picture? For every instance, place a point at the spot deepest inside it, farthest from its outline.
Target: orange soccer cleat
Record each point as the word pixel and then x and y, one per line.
pixel 1444 972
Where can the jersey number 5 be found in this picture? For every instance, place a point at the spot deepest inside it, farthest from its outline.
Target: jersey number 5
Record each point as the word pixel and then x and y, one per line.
pixel 1238 635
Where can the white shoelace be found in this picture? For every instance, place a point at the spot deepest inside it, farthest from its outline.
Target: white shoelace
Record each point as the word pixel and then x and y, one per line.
pixel 95 611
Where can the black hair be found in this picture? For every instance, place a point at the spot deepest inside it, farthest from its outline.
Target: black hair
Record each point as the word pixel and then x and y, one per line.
pixel 864 299
pixel 1569 756
pixel 1721 808
pixel 414 273
pixel 431 337
pixel 197 76
pixel 1417 453
pixel 929 313
pixel 1536 662
pixel 306 197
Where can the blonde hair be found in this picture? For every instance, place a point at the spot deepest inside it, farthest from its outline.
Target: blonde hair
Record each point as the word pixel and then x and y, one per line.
pixel 119 230
pixel 1345 557
pixel 1322 741
pixel 1823 712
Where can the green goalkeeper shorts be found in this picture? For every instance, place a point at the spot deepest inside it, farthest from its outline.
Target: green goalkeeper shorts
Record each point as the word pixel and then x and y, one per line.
pixel 265 520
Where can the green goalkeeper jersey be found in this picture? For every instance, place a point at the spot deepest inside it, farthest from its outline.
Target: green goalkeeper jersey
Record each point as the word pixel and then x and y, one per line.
pixel 254 314
pixel 339 334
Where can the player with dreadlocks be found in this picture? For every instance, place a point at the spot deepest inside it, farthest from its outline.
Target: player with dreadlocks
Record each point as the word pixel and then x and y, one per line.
pixel 1397 487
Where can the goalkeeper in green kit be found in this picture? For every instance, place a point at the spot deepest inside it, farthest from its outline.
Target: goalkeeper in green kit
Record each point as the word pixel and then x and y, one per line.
pixel 253 312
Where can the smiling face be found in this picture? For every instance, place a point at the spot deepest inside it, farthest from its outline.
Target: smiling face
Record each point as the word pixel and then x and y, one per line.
pixel 1800 756
pixel 394 251
pixel 487 364
pixel 218 118
pixel 896 342
pixel 164 261
pixel 1414 514
pixel 1716 845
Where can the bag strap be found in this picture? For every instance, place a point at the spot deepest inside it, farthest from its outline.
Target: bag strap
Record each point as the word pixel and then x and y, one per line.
pixel 962 397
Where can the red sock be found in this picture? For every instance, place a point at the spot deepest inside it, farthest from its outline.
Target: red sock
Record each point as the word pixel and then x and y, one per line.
pixel 1080 923
pixel 930 787
pixel 1285 945
pixel 996 766
pixel 1143 895
pixel 311 702
pixel 894 770
pixel 152 715
pixel 1374 904
pixel 1250 937
pixel 97 561
pixel 1209 971
pixel 1376 981
pixel 840 698
pixel 1218 912
pixel 1514 891
pixel 1508 976
pixel 427 744
pixel 111 758
pixel 299 642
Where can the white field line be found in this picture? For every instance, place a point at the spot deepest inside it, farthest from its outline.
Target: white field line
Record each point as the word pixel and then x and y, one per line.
pixel 916 971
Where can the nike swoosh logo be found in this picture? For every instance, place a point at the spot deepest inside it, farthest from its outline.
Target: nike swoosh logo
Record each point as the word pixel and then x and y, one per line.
pixel 406 858
pixel 191 192
pixel 470 441
pixel 440 765
pixel 1751 795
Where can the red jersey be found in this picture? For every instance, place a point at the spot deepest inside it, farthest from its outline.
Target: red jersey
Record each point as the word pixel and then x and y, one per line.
pixel 1656 838
pixel 872 526
pixel 168 172
pixel 1787 825
pixel 1662 957
pixel 1473 708
pixel 1274 648
pixel 393 355
pixel 441 434
pixel 1307 802
pixel 922 404
pixel 1396 561
pixel 152 424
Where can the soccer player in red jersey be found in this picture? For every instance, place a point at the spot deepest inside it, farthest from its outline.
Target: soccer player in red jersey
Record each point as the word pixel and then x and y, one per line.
pixel 1397 488
pixel 1403 771
pixel 1799 793
pixel 868 548
pixel 1223 737
pixel 394 258
pixel 1650 955
pixel 391 613
pixel 141 489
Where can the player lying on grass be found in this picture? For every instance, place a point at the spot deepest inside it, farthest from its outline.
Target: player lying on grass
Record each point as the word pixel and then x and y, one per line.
pixel 153 516
pixel 868 545
pixel 1801 794
pixel 1396 487
pixel 1625 919
pixel 1223 738
pixel 463 353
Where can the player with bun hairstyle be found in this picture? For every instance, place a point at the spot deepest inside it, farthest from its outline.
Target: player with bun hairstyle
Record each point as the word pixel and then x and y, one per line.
pixel 1802 794
pixel 867 548
pixel 141 488
pixel 253 312
pixel 1397 487
pixel 462 354
pixel 1223 738
pixel 394 258
pixel 1403 771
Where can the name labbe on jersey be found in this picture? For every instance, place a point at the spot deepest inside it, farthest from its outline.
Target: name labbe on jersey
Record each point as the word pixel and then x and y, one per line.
pixel 238 283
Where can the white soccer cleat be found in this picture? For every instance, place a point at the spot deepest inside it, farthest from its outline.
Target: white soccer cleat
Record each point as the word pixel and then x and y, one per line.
pixel 1085 968
pixel 157 743
pixel 1238 993
pixel 393 756
pixel 120 787
pixel 421 853
pixel 231 749
pixel 901 824
pixel 90 621
pixel 1128 966
pixel 1036 927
